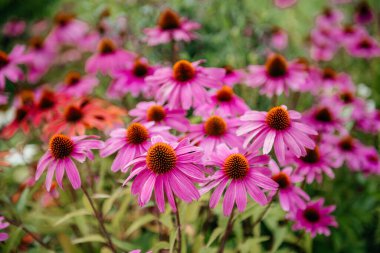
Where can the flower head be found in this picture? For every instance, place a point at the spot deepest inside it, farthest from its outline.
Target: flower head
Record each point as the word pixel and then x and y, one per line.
pixel 171 27
pixel 131 142
pixel 315 218
pixel 77 85
pixel 9 65
pixel 244 172
pixel 168 168
pixel 58 158
pixel 3 236
pixel 160 115
pixel 279 128
pixel 184 85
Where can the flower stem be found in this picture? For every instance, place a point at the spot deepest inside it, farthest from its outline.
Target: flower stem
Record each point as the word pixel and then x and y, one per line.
pixel 227 232
pixel 179 228
pixel 34 236
pixel 262 214
pixel 99 217
pixel 174 51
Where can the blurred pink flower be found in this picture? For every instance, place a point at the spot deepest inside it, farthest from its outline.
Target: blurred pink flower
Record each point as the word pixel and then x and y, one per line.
pixel 9 65
pixel 171 27
pixel 314 219
pixel 77 85
pixel 284 3
pixel 58 159
pixel 3 236
pixel 14 28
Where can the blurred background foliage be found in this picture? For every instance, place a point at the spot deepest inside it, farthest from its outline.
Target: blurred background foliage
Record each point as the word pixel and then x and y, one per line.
pixel 234 32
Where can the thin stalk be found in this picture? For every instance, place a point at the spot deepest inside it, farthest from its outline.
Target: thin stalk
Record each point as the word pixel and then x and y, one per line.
pixel 262 215
pixel 179 228
pixel 227 233
pixel 173 51
pixel 98 216
pixel 34 236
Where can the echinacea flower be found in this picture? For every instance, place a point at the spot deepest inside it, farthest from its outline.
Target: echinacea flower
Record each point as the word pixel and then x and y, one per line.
pixel 58 158
pixel 347 150
pixel 168 168
pixel 38 58
pixel 279 128
pixel 47 105
pixel 214 131
pixel 329 78
pixel 371 162
pixel 315 164
pixel 244 172
pixel 330 17
pixel 315 218
pixel 184 85
pixel 284 3
pixel 131 79
pixel 108 58
pixel 223 102
pixel 171 27
pixel 131 142
pixel 279 38
pixel 291 196
pixel 78 85
pixel 21 121
pixel 364 47
pixel 363 13
pixel 324 118
pixel 3 236
pixel 14 28
pixel 276 77
pixel 84 114
pixel 67 30
pixel 160 115
pixel 233 76
pixel 9 65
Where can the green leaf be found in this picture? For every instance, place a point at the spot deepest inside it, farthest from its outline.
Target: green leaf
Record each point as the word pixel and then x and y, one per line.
pixel 109 202
pixel 80 212
pixel 172 240
pixel 160 245
pixel 139 223
pixel 89 238
pixel 215 234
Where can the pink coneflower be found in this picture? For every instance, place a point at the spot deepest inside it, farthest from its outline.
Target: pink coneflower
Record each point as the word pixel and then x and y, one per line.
pixel 233 76
pixel 291 196
pixel 329 78
pixel 67 29
pixel 171 27
pixel 276 77
pixel 21 121
pixel 223 102
pixel 312 75
pixel 329 18
pixel 3 236
pixel 363 13
pixel 349 33
pixel 323 52
pixel 184 85
pixel 168 168
pixel 58 158
pixel 324 118
pixel 347 150
pixel 131 79
pixel 214 131
pixel 108 58
pixel 160 115
pixel 46 106
pixel 77 85
pixel 284 3
pixel 279 128
pixel 279 38
pixel 81 115
pixel 131 142
pixel 315 218
pixel 9 65
pixel 245 173
pixel 364 47
pixel 315 163
pixel 38 58
pixel 371 162
pixel 139 251
pixel 14 28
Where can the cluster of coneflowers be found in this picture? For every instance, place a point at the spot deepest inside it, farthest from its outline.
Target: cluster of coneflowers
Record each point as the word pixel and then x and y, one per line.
pixel 190 134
